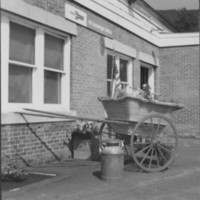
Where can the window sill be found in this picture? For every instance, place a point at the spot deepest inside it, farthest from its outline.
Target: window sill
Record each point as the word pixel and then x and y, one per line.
pixel 17 118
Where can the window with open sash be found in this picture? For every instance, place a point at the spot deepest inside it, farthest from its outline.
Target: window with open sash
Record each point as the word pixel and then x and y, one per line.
pixel 147 75
pixel 124 69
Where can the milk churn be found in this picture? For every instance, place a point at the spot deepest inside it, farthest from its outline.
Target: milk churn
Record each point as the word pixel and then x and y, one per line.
pixel 112 159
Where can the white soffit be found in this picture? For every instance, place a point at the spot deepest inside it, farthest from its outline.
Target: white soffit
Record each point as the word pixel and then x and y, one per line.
pixel 39 15
pixel 118 16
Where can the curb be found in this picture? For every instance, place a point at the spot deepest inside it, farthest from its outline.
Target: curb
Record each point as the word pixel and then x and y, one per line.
pixel 60 177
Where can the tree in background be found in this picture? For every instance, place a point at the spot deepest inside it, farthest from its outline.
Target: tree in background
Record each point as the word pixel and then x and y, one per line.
pixel 183 20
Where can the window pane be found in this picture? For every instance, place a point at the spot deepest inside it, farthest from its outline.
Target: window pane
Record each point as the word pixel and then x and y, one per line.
pixel 53 52
pixel 108 88
pixel 22 43
pixel 144 76
pixel 123 70
pixel 109 66
pixel 20 84
pixel 124 85
pixel 52 87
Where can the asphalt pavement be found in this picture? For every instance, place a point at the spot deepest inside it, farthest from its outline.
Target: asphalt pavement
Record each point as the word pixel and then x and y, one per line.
pixel 81 180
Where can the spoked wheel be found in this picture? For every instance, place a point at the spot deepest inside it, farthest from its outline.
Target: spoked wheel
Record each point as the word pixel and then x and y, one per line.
pixel 106 132
pixel 154 143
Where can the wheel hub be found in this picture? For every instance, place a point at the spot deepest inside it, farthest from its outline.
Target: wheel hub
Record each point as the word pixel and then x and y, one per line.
pixel 155 141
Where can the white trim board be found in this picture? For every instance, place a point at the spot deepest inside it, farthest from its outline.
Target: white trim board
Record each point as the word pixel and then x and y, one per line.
pixel 179 39
pixel 120 47
pixel 39 15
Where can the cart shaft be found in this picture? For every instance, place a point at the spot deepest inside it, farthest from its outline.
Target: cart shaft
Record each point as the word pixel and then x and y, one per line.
pixel 64 116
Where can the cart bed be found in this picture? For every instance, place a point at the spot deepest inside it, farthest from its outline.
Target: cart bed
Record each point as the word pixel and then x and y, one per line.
pixel 130 108
pixel 133 109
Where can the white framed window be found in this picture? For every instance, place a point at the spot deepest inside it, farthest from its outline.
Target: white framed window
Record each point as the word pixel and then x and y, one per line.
pixel 35 66
pixel 147 75
pixel 124 66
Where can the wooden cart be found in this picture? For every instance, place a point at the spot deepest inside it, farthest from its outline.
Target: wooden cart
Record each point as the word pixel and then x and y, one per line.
pixel 145 127
pixel 150 136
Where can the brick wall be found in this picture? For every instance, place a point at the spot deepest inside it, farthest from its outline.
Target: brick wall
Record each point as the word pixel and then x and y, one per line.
pixel 36 143
pixel 45 142
pixel 53 6
pixel 179 80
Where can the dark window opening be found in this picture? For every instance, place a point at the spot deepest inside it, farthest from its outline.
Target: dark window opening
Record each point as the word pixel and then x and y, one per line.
pixel 144 76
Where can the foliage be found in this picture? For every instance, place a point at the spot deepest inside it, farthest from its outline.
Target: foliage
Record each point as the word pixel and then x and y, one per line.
pixel 12 169
pixel 81 130
pixel 182 20
pixel 84 129
pixel 144 93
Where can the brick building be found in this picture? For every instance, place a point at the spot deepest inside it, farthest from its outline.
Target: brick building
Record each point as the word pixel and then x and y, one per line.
pixel 56 55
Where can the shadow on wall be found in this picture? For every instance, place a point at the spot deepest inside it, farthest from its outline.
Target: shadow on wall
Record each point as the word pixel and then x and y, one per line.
pixel 40 140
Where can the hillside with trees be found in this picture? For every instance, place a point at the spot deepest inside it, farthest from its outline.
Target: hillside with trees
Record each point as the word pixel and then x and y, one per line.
pixel 182 20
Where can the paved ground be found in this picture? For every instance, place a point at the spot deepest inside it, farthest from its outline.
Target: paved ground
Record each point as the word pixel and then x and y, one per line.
pixel 80 180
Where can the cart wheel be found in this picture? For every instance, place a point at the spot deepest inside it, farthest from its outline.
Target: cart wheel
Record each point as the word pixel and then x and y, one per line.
pixel 106 132
pixel 154 143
